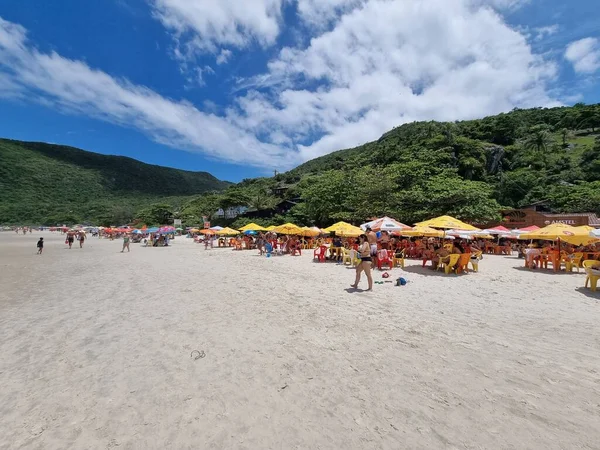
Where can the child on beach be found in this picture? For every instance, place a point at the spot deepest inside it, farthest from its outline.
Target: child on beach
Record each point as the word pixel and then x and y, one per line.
pixel 40 246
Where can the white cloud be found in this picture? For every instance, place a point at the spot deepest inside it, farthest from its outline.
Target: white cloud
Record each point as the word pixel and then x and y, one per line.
pixel 224 56
pixel 369 65
pixel 584 54
pixel 440 59
pixel 74 87
pixel 207 25
pixel 544 32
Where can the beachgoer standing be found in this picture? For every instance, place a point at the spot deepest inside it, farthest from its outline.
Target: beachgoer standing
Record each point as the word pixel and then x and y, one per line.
pixel 372 240
pixel 125 243
pixel 81 239
pixel 364 250
pixel 70 240
pixel 40 246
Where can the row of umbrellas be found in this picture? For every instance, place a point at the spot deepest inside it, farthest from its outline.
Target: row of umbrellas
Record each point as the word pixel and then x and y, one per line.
pixel 443 226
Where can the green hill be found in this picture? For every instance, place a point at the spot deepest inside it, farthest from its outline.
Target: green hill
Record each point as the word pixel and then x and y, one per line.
pixel 44 183
pixel 470 169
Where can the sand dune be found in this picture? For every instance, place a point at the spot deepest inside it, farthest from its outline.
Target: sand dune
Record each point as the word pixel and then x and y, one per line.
pixel 96 348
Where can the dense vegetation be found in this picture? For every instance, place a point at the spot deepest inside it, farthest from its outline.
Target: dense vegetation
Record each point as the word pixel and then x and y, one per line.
pixel 470 169
pixel 50 184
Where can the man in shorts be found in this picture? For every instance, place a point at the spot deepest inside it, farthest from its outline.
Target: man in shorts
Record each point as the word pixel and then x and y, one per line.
pixel 372 240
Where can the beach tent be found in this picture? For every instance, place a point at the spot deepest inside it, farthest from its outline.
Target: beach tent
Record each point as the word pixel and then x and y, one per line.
pixel 385 224
pixel 449 223
pixel 252 227
pixel 288 228
pixel 344 229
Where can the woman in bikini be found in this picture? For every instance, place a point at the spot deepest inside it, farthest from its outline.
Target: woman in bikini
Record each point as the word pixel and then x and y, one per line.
pixel 364 250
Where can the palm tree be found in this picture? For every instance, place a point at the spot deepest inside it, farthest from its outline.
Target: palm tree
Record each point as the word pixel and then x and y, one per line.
pixel 539 140
pixel 565 135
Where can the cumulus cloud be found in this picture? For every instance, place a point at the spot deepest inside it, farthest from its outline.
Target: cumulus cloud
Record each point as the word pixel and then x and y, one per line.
pixel 584 54
pixel 74 87
pixel 207 25
pixel 368 65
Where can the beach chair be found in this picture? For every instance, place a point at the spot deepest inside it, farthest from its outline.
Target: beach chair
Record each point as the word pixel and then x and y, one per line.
pixel 398 261
pixel 463 263
pixel 348 256
pixel 554 259
pixel 475 261
pixel 449 266
pixel 320 253
pixel 383 258
pixel 575 261
pixel 592 269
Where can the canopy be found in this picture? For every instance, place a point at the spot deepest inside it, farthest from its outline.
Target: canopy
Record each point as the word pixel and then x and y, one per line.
pixel 448 222
pixel 422 231
pixel 252 227
pixel 566 233
pixel 344 229
pixel 227 232
pixel 385 224
pixel 288 228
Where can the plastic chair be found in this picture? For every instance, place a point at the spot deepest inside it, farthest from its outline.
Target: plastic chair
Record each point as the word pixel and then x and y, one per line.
pixel 398 261
pixel 348 256
pixel 463 263
pixel 475 261
pixel 576 261
pixel 449 266
pixel 592 269
pixel 383 258
pixel 319 253
pixel 554 259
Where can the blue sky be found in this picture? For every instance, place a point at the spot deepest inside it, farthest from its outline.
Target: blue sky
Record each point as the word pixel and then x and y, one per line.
pixel 241 88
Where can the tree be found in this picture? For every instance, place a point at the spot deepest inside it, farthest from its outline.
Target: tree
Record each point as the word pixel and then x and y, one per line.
pixel 157 214
pixel 565 135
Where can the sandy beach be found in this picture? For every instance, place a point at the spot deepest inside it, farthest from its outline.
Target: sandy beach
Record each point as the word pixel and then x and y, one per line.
pixel 96 353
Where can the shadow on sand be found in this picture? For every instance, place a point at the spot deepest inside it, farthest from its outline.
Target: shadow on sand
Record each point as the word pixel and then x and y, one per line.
pixel 588 292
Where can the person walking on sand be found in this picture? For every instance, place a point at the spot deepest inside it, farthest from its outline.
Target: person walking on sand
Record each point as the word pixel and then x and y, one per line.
pixel 70 239
pixel 81 239
pixel 372 240
pixel 125 243
pixel 364 251
pixel 40 246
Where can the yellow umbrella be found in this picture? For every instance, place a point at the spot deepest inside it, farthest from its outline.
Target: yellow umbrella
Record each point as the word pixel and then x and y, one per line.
pixel 344 229
pixel 449 223
pixel 252 227
pixel 310 232
pixel 271 227
pixel 227 232
pixel 195 230
pixel 420 230
pixel 288 228
pixel 566 233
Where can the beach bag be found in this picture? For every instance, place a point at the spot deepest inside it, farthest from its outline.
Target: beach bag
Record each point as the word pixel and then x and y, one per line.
pixel 401 282
pixel 67 241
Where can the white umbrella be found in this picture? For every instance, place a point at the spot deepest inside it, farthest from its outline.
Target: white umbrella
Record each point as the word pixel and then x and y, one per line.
pixel 595 233
pixel 385 224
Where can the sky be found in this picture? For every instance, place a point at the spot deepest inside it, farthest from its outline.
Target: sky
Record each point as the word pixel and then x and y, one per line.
pixel 241 88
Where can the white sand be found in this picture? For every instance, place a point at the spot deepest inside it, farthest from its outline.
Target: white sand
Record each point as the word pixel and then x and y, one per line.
pixel 95 353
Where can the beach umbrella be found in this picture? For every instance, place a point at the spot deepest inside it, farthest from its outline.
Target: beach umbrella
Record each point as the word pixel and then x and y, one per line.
pixel 252 227
pixel 227 232
pixel 217 228
pixel 250 232
pixel 385 224
pixel 344 229
pixel 271 227
pixel 595 233
pixel 208 231
pixel 422 231
pixel 288 228
pixel 562 232
pixel 152 230
pixel 137 232
pixel 497 231
pixel 449 223
pixel 310 232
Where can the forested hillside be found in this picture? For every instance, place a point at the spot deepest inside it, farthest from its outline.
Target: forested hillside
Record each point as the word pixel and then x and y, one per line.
pixel 469 169
pixel 44 183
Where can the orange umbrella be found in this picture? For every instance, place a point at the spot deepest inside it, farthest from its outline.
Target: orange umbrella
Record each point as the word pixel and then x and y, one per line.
pixel 207 231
